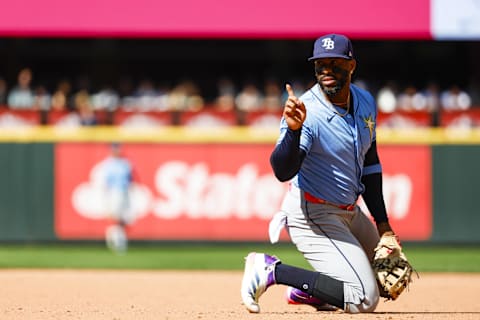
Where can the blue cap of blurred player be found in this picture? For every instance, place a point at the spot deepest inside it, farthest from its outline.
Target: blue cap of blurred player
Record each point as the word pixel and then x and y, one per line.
pixel 332 46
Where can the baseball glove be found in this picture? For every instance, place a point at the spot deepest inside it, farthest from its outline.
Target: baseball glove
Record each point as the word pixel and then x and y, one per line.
pixel 391 267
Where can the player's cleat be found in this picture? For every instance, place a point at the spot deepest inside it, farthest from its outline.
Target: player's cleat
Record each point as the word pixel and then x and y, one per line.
pixel 116 239
pixel 259 274
pixel 296 296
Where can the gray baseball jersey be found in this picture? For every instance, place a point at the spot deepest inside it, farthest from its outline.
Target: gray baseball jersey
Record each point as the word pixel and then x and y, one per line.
pixel 336 242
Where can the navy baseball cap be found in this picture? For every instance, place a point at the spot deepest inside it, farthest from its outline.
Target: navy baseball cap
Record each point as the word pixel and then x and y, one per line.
pixel 332 46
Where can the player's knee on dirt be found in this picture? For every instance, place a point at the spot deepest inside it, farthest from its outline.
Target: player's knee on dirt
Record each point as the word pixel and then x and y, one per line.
pixel 361 298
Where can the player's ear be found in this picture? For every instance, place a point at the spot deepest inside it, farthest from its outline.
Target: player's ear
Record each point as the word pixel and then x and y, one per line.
pixel 353 65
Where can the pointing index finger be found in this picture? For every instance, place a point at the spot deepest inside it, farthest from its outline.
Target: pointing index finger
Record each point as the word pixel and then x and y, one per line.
pixel 289 90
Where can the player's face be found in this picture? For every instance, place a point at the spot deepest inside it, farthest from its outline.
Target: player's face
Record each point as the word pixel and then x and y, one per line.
pixel 333 74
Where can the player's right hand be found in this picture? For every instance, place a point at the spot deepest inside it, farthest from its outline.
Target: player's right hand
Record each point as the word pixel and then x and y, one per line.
pixel 294 111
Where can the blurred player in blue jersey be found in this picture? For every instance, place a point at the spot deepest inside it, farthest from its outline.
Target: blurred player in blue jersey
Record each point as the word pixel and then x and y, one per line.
pixel 118 180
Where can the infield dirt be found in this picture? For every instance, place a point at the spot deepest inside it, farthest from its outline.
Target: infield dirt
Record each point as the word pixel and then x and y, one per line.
pixel 102 294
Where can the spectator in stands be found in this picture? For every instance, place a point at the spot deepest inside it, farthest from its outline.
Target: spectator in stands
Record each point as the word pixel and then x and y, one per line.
pixel 186 96
pixel 144 96
pixel 21 96
pixel 59 101
pixel 455 98
pixel 147 97
pixel 105 99
pixel 61 96
pixel 126 91
pixel 146 87
pixel 177 99
pixel 225 100
pixel 3 92
pixel 161 100
pixel 249 98
pixel 41 99
pixel 387 97
pixel 432 96
pixel 84 109
pixel 411 100
pixel 272 100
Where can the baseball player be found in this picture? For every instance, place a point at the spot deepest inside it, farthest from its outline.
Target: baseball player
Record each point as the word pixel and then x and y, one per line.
pixel 118 173
pixel 327 150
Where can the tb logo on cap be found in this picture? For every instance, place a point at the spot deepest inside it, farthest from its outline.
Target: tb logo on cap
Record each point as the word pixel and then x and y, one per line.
pixel 328 43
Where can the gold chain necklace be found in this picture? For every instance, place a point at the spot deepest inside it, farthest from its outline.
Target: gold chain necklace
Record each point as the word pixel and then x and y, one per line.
pixel 346 112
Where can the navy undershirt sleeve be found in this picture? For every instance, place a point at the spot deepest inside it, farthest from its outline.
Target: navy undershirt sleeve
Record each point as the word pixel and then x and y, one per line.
pixel 373 194
pixel 287 157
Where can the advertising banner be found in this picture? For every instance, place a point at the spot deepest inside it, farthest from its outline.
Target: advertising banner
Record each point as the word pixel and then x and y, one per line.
pixel 181 191
pixel 212 191
pixel 407 189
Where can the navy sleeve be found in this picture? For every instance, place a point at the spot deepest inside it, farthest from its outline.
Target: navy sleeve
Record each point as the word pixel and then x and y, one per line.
pixel 373 194
pixel 287 157
pixel 371 157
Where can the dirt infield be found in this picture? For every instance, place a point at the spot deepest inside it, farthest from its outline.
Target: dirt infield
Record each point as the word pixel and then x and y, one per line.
pixel 97 294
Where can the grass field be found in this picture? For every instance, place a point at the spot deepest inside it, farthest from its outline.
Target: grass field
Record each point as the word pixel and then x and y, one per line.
pixel 198 256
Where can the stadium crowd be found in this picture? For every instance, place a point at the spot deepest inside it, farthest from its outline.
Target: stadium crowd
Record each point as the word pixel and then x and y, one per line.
pixel 399 105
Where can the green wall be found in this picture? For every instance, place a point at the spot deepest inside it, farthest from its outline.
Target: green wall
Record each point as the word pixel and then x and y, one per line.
pixel 456 193
pixel 26 191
